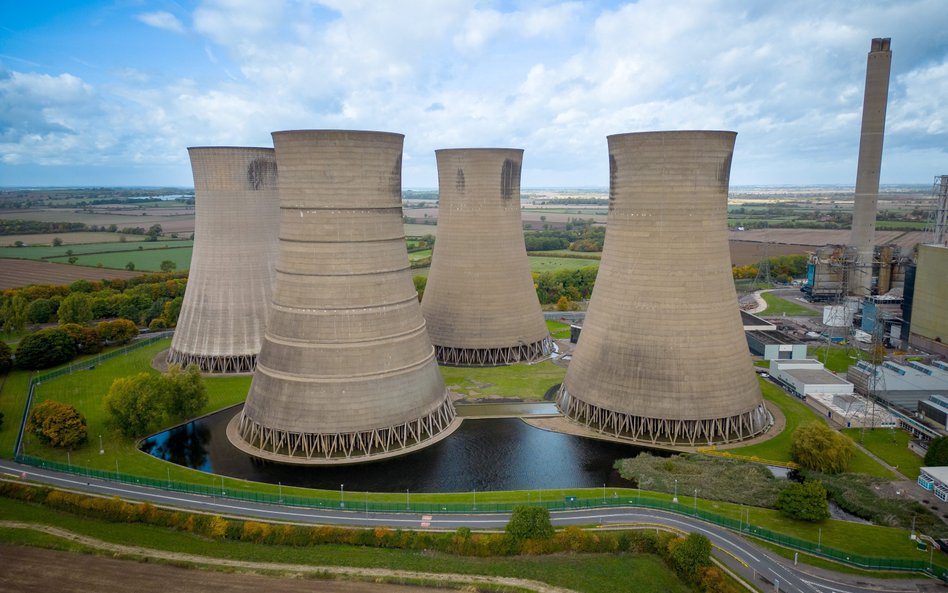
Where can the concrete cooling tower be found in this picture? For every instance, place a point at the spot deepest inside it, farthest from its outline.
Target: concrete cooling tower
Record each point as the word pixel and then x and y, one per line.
pixel 480 303
pixel 223 315
pixel 347 372
pixel 662 357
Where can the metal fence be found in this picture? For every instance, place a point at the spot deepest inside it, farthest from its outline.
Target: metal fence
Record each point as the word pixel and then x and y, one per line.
pixel 408 506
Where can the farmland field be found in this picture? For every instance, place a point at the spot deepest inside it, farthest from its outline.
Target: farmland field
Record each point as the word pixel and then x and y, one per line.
pixel 420 230
pixel 554 264
pixel 69 238
pixel 49 252
pixel 146 260
pixel 22 272
pixel 169 223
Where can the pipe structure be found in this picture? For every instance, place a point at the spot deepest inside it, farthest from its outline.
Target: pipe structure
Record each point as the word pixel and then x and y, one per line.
pixel 236 214
pixel 479 302
pixel 869 165
pixel 347 373
pixel 662 357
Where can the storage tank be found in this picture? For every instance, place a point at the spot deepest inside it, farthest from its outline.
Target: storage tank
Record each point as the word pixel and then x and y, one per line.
pixel 236 213
pixel 662 358
pixel 480 302
pixel 347 372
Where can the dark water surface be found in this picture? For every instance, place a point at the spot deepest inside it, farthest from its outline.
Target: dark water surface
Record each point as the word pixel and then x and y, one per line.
pixel 491 454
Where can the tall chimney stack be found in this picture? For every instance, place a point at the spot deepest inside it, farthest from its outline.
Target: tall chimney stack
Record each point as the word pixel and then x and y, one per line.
pixel 870 162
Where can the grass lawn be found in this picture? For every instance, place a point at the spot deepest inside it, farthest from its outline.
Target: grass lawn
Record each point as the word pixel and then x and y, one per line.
pixel 891 445
pixel 416 255
pixel 46 252
pixel 592 573
pixel 778 306
pixel 835 358
pixel 559 331
pixel 597 255
pixel 796 413
pixel 554 264
pixel 148 260
pixel 529 382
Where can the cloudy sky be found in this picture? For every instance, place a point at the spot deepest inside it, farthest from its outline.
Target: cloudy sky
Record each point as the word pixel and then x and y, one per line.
pixel 113 92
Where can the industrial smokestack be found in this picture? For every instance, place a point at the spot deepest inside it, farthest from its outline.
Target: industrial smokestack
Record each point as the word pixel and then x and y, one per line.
pixel 870 162
pixel 347 373
pixel 480 303
pixel 662 357
pixel 237 212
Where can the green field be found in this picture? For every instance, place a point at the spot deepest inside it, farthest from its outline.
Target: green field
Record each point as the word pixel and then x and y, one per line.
pixel 796 413
pixel 778 306
pixel 76 238
pixel 559 331
pixel 148 260
pixel 50 252
pixel 597 255
pixel 527 382
pixel 891 446
pixel 835 358
pixel 417 255
pixel 555 264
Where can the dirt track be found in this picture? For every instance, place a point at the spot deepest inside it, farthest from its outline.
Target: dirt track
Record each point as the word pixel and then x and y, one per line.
pixel 32 569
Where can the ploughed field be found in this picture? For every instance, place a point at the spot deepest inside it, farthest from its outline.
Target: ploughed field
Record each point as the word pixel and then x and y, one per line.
pixel 23 272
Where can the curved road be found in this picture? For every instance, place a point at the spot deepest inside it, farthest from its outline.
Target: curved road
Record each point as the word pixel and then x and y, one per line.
pixel 767 571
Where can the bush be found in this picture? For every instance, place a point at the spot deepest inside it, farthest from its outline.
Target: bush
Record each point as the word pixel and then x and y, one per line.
pixel 806 501
pixel 57 424
pixel 529 523
pixel 816 446
pixel 937 454
pixel 45 348
pixel 689 555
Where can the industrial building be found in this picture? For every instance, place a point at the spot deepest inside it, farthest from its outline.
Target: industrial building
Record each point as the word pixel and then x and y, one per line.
pixel 935 409
pixel 347 372
pixel 929 303
pixel 901 384
pixel 806 377
pixel 935 480
pixel 480 303
pixel 663 299
pixel 223 315
pixel 869 164
pixel 775 345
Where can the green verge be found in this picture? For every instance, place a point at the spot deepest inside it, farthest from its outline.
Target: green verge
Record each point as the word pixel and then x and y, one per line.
pixel 825 564
pixel 891 446
pixel 528 382
pixel 796 412
pixel 558 331
pixel 835 358
pixel 589 573
pixel 777 306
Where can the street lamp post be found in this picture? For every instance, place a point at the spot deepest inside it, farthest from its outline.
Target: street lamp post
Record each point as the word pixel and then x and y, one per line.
pixel 342 495
pixel 101 446
pixel 603 494
pixel 407 499
pixel 696 502
pixel 475 499
pixel 675 499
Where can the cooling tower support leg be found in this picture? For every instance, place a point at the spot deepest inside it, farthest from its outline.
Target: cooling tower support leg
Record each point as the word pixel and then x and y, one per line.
pixel 342 448
pixel 487 357
pixel 214 364
pixel 665 431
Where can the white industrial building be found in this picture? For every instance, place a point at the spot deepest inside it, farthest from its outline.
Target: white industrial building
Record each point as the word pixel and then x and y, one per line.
pixel 935 480
pixel 808 376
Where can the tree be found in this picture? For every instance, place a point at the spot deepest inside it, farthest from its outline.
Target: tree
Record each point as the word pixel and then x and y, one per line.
pixel 690 554
pixel 57 241
pixel 15 313
pixel 168 266
pixel 186 390
pixel 136 404
pixel 45 348
pixel 420 283
pixel 937 454
pixel 86 338
pixel 57 424
pixel 171 311
pixel 41 310
pixel 130 266
pixel 75 308
pixel 6 357
pixel 806 501
pixel 73 259
pixel 818 447
pixel 529 523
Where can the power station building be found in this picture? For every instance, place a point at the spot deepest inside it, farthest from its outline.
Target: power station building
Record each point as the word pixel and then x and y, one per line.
pixel 224 311
pixel 347 372
pixel 663 299
pixel 480 303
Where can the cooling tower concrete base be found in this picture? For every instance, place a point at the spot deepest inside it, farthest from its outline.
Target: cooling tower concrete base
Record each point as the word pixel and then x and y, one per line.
pixel 665 431
pixel 214 364
pixel 494 356
pixel 296 448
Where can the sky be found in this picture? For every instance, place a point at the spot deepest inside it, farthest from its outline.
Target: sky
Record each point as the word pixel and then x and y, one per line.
pixel 113 92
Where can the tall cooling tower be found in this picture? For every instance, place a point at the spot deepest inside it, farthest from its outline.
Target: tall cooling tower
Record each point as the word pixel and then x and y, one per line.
pixel 236 217
pixel 480 303
pixel 662 357
pixel 347 372
pixel 869 166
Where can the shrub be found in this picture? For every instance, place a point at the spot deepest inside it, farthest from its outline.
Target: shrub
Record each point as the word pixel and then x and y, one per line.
pixel 818 447
pixel 529 523
pixel 57 424
pixel 937 454
pixel 806 501
pixel 45 348
pixel 690 554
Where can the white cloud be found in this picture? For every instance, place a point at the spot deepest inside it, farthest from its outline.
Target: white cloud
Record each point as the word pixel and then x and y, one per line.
pixel 162 20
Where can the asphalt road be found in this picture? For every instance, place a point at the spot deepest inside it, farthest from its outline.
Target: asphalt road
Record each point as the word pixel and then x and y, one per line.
pixel 768 571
